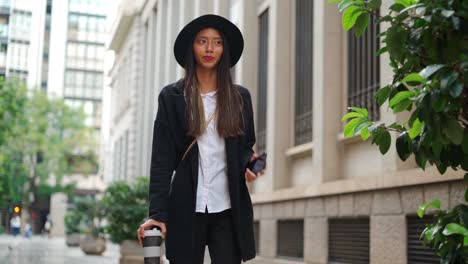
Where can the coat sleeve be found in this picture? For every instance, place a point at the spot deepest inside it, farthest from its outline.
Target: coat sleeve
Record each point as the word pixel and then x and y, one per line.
pixel 249 130
pixel 163 162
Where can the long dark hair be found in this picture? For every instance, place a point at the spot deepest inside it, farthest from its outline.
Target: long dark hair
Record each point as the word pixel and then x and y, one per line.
pixel 229 102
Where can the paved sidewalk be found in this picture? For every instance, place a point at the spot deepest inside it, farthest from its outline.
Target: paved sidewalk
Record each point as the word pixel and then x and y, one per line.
pixel 40 250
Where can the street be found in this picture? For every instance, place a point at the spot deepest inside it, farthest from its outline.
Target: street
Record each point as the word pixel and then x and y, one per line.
pixel 40 250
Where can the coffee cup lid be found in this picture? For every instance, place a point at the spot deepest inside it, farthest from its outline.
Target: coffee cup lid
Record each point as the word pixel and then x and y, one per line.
pixel 153 232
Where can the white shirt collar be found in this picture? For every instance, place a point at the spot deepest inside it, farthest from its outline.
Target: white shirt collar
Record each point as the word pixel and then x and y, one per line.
pixel 209 94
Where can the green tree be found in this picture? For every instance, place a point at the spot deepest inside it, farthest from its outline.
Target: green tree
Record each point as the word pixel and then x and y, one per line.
pixel 47 141
pixel 427 44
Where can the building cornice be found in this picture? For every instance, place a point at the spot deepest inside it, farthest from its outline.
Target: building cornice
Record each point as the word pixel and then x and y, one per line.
pixel 126 13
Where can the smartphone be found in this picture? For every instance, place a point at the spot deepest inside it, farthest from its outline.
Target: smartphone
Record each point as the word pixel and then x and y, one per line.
pixel 258 164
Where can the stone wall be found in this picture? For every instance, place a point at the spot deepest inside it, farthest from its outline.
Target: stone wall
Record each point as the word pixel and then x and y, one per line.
pixel 387 210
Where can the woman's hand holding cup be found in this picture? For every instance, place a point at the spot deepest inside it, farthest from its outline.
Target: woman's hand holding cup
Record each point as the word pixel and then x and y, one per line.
pixel 148 225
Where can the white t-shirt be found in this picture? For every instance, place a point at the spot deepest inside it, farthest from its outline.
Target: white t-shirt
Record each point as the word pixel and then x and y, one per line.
pixel 212 187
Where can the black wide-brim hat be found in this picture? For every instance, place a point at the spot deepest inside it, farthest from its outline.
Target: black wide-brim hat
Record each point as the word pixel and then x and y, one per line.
pixel 233 37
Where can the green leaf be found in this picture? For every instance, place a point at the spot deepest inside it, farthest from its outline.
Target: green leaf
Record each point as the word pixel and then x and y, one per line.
pixel 397 7
pixel 385 141
pixel 415 129
pixel 438 101
pixel 436 148
pixel 405 3
pixel 360 126
pixel 456 89
pixel 365 134
pixel 350 16
pixel 401 96
pixel 403 146
pixel 375 4
pixel 333 1
pixel 396 37
pixel 351 115
pixel 381 51
pixel 448 13
pixel 465 143
pixel 454 131
pixel 465 241
pixel 402 106
pixel 441 168
pixel 344 4
pixel 447 80
pixel 361 24
pixel 349 127
pixel 362 111
pixel 455 229
pixel 413 78
pixel 429 70
pixel 382 94
pixel 423 207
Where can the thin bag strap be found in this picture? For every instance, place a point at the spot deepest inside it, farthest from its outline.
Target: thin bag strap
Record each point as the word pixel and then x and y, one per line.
pixel 195 140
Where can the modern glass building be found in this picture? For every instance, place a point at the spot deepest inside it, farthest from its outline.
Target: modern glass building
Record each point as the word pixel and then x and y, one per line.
pixel 83 73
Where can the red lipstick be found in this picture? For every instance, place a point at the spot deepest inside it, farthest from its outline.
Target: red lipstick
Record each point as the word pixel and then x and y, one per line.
pixel 208 58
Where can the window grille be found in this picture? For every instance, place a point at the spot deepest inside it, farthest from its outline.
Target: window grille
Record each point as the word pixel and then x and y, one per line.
pixel 304 72
pixel 262 82
pixel 348 240
pixel 364 69
pixel 290 239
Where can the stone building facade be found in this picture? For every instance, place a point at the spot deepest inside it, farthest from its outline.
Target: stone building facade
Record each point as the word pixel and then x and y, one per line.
pixel 324 198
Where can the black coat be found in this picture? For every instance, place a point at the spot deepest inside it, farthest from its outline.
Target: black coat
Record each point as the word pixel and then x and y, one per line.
pixel 174 203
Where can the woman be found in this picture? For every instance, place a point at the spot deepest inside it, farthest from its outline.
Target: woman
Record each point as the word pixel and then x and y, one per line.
pixel 204 131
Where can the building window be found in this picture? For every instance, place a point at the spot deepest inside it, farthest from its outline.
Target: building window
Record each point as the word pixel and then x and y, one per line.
pixel 88 28
pixel 417 253
pixel 304 72
pixel 364 69
pixel 290 239
pixel 262 81
pixel 348 240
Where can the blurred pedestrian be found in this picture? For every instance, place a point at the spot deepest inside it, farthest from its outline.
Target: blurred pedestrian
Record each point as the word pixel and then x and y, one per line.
pixel 204 131
pixel 15 224
pixel 28 230
pixel 47 226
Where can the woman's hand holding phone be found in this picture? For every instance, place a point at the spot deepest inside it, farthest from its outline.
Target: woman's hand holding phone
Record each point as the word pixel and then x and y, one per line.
pixel 250 175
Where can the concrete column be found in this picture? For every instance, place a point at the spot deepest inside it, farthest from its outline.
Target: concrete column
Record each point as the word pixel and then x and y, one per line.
pixel 36 49
pixel 202 7
pixel 58 37
pixel 278 96
pixel 149 91
pixel 267 242
pixel 170 27
pixel 221 7
pixel 327 107
pixel 316 240
pixel 247 65
pixel 58 207
pixel 160 46
pixel 186 14
pixel 388 239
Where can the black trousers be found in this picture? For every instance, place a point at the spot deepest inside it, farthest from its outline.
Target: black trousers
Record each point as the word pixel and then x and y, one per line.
pixel 215 230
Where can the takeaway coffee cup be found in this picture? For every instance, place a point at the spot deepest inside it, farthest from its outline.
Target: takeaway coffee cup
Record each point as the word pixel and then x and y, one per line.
pixel 152 246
